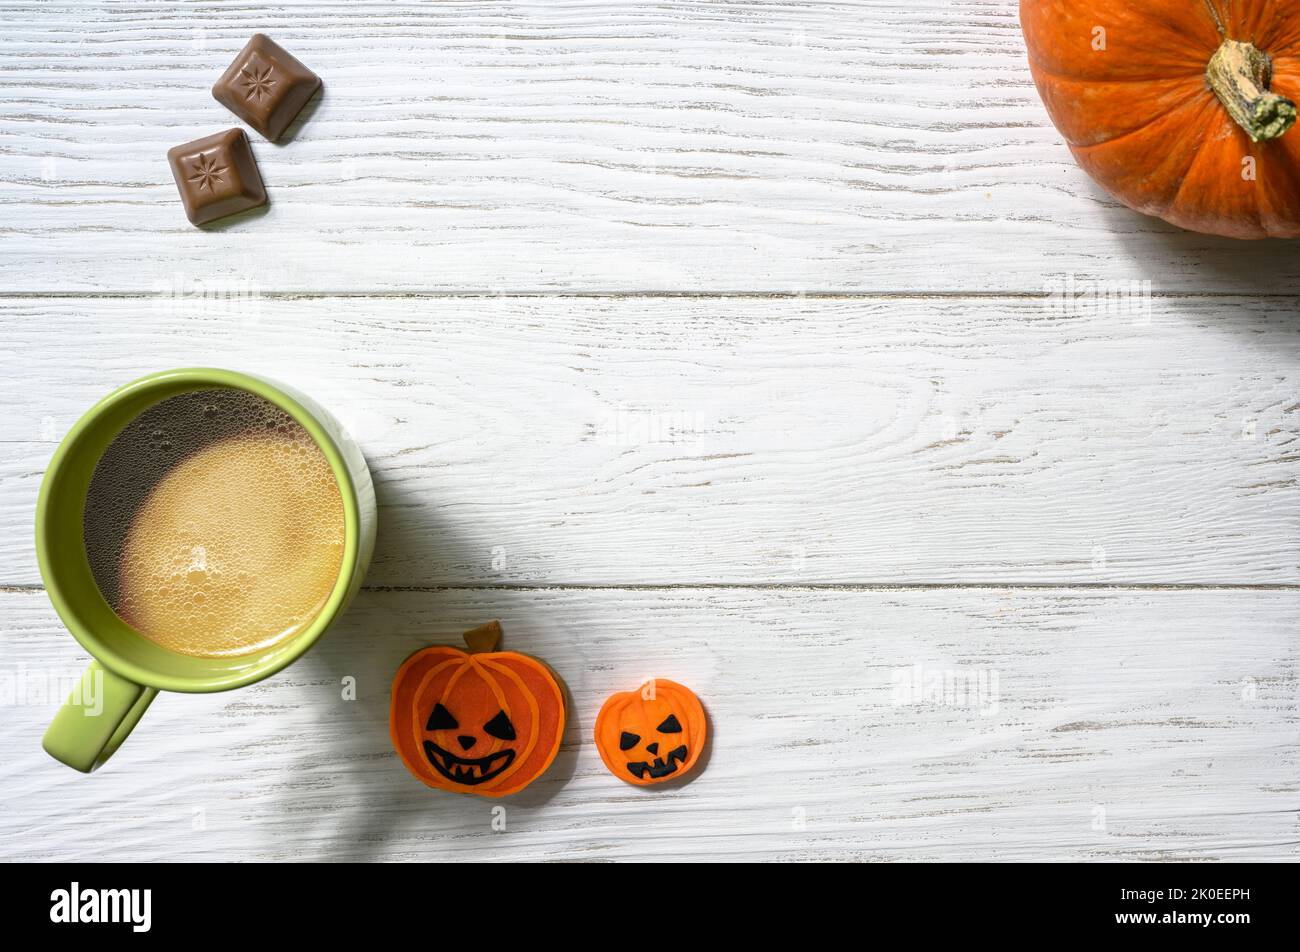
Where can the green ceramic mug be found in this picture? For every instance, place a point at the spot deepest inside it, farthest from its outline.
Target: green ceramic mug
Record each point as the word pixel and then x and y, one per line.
pixel 128 669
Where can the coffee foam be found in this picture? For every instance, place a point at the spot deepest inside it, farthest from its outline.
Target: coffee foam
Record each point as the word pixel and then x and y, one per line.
pixel 214 524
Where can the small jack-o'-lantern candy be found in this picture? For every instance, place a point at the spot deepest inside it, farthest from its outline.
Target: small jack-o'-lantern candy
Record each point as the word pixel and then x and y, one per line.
pixel 479 721
pixel 652 734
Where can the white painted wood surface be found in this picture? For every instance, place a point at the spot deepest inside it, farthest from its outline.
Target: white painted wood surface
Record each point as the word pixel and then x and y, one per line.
pixel 518 146
pixel 687 440
pixel 1133 725
pixel 718 341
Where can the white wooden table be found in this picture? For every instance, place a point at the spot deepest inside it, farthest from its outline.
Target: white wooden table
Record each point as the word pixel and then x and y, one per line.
pixel 717 341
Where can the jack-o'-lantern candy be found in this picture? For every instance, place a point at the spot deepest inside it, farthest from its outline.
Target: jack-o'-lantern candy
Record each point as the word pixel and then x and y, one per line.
pixel 479 721
pixel 653 734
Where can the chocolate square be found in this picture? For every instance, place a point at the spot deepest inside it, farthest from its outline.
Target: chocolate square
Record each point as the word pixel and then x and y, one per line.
pixel 217 176
pixel 266 87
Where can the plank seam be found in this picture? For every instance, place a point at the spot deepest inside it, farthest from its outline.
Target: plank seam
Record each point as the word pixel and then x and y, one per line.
pixel 865 295
pixel 845 587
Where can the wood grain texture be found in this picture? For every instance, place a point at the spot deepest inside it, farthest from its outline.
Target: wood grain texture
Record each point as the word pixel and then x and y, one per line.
pixel 747 344
pixel 685 441
pixel 519 146
pixel 1120 726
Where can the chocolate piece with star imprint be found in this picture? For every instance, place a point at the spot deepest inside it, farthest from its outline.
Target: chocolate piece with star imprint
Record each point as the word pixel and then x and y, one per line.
pixel 266 86
pixel 217 176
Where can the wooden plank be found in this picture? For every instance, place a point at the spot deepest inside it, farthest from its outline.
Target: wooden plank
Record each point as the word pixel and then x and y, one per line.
pixel 521 146
pixel 1117 725
pixel 685 441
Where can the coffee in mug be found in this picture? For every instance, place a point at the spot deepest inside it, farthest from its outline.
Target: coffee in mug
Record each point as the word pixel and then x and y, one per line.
pixel 214 525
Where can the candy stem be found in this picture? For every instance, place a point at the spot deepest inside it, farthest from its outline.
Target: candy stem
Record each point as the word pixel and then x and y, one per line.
pixel 484 637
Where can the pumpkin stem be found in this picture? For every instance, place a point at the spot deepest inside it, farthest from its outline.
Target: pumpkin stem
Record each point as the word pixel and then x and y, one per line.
pixel 484 637
pixel 1240 75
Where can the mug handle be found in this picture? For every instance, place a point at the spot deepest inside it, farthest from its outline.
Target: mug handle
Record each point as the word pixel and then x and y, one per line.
pixel 96 718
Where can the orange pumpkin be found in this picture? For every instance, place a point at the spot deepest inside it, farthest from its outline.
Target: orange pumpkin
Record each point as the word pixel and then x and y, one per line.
pixel 1182 109
pixel 652 734
pixel 479 721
